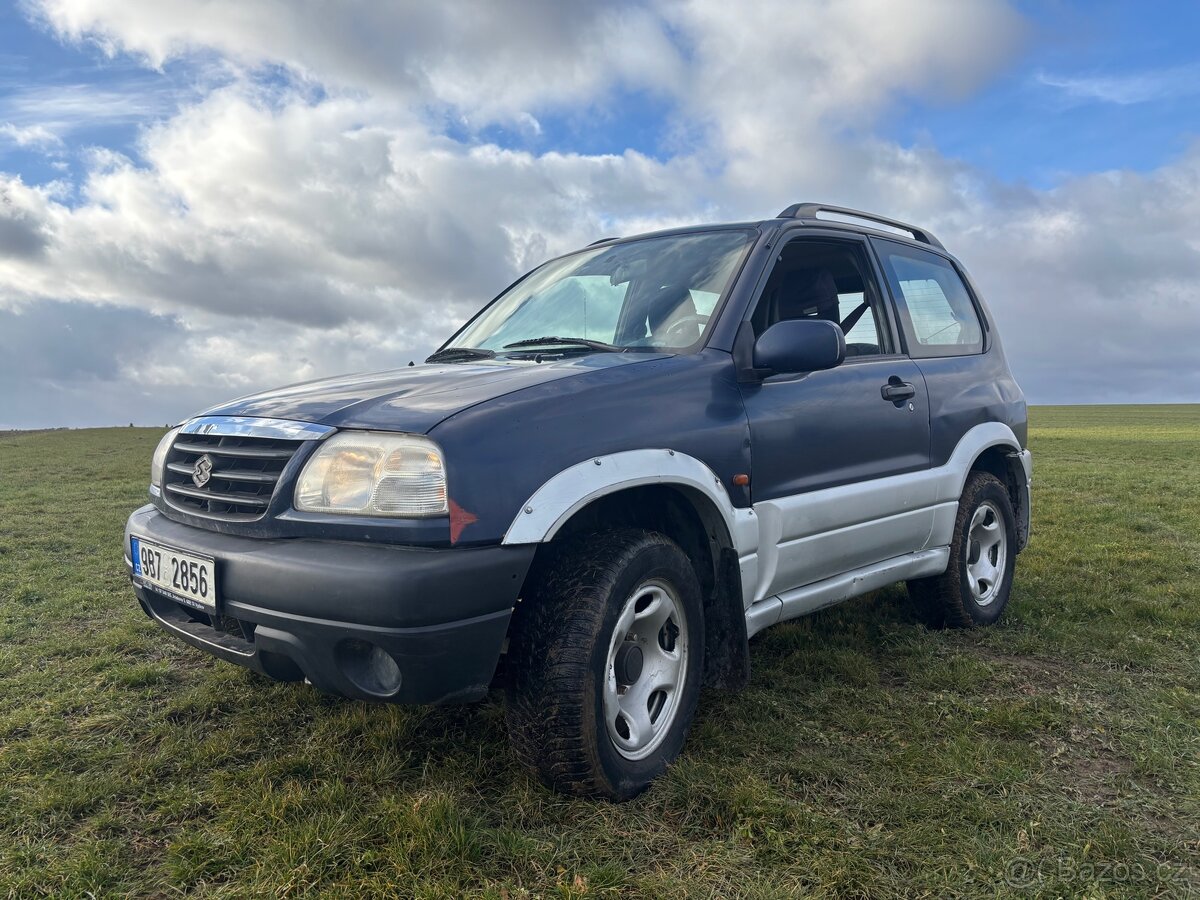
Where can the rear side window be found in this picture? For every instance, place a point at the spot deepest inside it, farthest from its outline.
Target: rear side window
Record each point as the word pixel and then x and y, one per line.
pixel 935 308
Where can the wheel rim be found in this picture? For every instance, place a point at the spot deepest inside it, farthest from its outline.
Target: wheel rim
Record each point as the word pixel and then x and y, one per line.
pixel 987 552
pixel 647 666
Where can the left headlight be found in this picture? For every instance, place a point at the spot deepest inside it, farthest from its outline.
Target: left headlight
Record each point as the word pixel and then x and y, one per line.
pixel 371 473
pixel 160 457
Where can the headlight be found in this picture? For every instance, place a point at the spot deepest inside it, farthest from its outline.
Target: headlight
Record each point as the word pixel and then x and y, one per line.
pixel 160 457
pixel 370 473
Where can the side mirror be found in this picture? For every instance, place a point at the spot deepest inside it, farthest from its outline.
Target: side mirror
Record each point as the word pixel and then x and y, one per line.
pixel 800 345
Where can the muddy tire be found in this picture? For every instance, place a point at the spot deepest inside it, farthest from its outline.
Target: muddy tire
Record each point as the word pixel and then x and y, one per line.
pixel 975 587
pixel 604 665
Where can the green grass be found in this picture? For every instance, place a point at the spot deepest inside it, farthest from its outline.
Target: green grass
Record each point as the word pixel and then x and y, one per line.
pixel 868 758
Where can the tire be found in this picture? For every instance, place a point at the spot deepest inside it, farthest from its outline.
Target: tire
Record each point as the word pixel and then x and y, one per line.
pixel 573 701
pixel 971 592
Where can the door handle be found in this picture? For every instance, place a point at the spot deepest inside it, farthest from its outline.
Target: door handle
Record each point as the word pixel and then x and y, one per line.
pixel 897 391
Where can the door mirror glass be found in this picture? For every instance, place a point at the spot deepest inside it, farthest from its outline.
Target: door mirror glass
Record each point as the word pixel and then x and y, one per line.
pixel 800 345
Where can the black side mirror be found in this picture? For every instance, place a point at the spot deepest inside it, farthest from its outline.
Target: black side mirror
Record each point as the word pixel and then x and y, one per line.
pixel 800 345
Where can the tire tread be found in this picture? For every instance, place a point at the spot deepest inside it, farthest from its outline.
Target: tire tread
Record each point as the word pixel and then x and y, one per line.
pixel 940 600
pixel 555 628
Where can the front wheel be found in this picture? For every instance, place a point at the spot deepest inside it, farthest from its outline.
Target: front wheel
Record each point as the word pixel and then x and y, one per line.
pixel 605 657
pixel 974 588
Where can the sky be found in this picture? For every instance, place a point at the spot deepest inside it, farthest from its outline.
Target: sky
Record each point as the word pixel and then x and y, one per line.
pixel 202 198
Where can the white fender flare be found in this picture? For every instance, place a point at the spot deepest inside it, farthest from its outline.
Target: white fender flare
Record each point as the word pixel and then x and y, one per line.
pixel 968 449
pixel 543 514
pixel 953 476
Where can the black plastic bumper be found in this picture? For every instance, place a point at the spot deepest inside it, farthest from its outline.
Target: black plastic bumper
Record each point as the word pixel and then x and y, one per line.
pixel 369 621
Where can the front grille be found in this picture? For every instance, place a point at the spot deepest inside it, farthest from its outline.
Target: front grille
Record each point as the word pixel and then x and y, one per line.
pixel 243 472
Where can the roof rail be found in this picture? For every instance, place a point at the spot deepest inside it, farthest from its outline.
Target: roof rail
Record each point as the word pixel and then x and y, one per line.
pixel 603 241
pixel 810 210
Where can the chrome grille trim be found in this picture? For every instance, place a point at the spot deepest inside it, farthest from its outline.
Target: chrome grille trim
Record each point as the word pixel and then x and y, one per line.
pixel 227 474
pixel 239 452
pixel 246 458
pixel 231 499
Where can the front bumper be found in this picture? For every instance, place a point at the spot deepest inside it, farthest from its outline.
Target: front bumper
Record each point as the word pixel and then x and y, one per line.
pixel 368 621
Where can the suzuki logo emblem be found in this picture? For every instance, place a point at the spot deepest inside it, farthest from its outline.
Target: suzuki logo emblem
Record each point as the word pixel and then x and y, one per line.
pixel 202 472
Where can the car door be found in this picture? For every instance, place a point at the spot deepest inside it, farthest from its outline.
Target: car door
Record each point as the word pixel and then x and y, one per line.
pixel 837 454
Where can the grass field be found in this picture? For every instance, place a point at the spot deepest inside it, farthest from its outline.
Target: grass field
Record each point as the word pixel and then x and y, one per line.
pixel 1056 754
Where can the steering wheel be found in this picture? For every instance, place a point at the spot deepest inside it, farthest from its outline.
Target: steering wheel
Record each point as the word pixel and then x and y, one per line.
pixel 694 319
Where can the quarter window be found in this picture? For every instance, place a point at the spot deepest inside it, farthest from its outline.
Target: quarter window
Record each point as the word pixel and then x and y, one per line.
pixel 936 311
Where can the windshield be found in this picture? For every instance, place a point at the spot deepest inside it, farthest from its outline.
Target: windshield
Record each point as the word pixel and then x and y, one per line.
pixel 656 293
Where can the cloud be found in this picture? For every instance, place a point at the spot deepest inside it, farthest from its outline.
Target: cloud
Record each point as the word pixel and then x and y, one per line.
pixel 1094 283
pixel 262 202
pixel 306 213
pixel 300 213
pixel 489 61
pixel 95 364
pixel 60 363
pixel 42 114
pixel 1124 90
pixel 31 136
pixel 22 233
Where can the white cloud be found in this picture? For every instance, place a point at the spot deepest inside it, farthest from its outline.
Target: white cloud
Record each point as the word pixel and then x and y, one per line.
pixel 490 61
pixel 283 230
pixel 1094 283
pixel 31 136
pixel 1124 90
pixel 301 213
pixel 45 114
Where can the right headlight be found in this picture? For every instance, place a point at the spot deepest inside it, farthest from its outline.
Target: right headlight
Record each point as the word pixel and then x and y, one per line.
pixel 159 461
pixel 370 473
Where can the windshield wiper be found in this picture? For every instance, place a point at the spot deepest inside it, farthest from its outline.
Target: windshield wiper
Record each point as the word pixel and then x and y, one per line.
pixel 450 354
pixel 550 341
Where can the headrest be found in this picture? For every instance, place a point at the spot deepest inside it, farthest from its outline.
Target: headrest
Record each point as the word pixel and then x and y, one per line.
pixel 807 292
pixel 673 302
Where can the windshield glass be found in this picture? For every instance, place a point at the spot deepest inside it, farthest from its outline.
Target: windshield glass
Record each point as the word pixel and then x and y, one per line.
pixel 654 293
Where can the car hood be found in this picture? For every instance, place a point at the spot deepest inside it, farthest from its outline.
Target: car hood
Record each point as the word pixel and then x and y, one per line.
pixel 416 398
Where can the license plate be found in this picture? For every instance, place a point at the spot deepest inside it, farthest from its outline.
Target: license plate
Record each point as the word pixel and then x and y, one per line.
pixel 183 576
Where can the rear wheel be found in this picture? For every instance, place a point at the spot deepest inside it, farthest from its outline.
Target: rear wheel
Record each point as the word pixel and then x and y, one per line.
pixel 604 663
pixel 975 587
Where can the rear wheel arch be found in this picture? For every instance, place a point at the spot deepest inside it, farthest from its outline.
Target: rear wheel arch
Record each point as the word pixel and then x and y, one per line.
pixel 1004 462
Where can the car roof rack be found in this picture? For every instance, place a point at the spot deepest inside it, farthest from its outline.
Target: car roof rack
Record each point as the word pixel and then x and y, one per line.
pixel 809 211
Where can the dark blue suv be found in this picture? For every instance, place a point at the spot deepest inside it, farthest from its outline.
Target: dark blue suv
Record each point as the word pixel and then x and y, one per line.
pixel 627 464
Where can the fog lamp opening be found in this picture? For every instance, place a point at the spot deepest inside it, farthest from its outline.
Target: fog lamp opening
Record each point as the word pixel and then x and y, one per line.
pixel 370 668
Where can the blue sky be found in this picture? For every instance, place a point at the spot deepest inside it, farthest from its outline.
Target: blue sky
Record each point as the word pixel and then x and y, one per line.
pixel 353 180
pixel 40 77
pixel 1101 86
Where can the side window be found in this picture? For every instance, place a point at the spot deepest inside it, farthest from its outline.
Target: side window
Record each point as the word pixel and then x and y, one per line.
pixel 936 311
pixel 825 280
